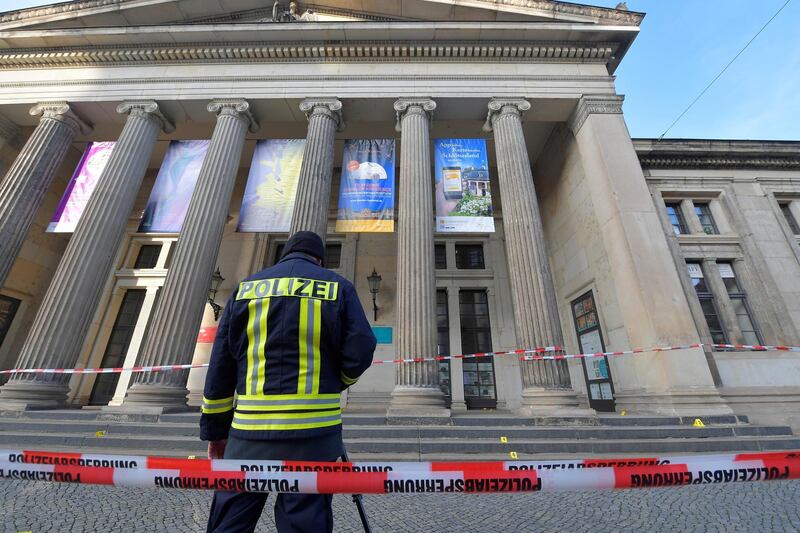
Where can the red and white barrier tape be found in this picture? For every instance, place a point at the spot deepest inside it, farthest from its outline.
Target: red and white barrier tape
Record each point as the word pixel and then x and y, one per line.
pixel 528 354
pixel 387 478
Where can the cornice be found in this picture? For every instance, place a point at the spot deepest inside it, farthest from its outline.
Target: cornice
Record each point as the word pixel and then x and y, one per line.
pixel 266 12
pixel 562 52
pixel 604 15
pixel 718 162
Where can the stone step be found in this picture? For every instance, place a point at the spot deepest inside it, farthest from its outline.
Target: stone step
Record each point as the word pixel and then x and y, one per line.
pixel 492 419
pixel 166 445
pixel 449 432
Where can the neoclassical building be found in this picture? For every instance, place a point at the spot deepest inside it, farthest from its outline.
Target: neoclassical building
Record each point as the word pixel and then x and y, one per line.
pixel 599 242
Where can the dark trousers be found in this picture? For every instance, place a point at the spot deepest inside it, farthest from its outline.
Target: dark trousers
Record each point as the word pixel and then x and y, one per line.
pixel 294 513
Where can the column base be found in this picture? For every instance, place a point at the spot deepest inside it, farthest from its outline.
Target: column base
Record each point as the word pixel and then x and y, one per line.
pixel 538 401
pixel 458 407
pixel 32 396
pixel 418 405
pixel 153 400
pixel 675 402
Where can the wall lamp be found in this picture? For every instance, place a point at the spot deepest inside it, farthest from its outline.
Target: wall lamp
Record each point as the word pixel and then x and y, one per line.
pixel 374 288
pixel 216 281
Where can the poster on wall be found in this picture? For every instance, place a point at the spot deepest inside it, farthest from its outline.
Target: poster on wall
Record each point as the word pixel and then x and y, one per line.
pixel 172 192
pixel 80 187
pixel 271 188
pixel 366 193
pixel 463 196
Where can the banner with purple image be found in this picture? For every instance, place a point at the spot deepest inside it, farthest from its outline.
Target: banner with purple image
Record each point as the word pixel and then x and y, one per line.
pixel 172 191
pixel 80 187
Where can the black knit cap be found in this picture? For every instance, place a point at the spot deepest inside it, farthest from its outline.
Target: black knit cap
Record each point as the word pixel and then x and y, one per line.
pixel 307 242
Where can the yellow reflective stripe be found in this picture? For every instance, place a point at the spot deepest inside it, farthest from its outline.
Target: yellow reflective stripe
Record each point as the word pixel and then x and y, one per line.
pixel 326 396
pixel 217 402
pixel 251 343
pixel 262 349
pixel 257 311
pixel 347 380
pixel 287 416
pixel 266 426
pixel 302 340
pixel 296 287
pixel 317 324
pixel 216 410
pixel 293 407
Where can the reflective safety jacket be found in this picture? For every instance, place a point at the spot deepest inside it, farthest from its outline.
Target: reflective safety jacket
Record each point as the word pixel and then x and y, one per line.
pixel 290 339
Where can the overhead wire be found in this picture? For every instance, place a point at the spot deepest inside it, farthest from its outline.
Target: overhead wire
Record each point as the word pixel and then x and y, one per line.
pixel 718 76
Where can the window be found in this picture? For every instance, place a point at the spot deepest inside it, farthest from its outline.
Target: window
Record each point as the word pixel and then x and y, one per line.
pixel 739 301
pixel 8 308
pixel 440 252
pixel 443 339
pixel 787 213
pixel 676 218
pixel 707 303
pixel 469 256
pixel 148 256
pixel 333 254
pixel 706 219
pixel 476 336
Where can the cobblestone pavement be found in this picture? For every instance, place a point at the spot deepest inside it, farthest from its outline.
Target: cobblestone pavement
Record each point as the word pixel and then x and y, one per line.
pixel 27 506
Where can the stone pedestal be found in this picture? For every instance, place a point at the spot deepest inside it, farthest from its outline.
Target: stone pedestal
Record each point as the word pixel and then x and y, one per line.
pixel 179 311
pixel 652 303
pixel 316 172
pixel 416 391
pixel 546 384
pixel 57 334
pixel 24 187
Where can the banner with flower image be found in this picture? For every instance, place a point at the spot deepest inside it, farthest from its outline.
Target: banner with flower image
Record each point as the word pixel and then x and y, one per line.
pixel 463 196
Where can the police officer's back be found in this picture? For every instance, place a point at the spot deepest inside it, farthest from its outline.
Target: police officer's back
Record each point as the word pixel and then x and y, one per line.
pixel 291 338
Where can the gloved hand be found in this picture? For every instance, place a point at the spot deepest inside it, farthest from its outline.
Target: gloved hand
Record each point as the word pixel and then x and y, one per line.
pixel 216 448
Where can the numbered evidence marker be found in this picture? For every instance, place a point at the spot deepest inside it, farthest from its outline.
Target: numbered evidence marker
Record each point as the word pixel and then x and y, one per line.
pixel 100 434
pixel 513 455
pixel 504 440
pixel 698 423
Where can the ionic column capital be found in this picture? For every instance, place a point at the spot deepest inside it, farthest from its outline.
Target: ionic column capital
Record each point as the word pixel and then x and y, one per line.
pixel 594 104
pixel 235 107
pixel 413 106
pixel 499 107
pixel 329 107
pixel 149 109
pixel 62 112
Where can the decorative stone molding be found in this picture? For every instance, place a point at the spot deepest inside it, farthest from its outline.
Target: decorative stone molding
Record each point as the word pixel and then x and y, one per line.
pixel 235 107
pixel 574 52
pixel 62 112
pixel 331 107
pixel 501 106
pixel 591 104
pixel 718 162
pixel 57 9
pixel 10 132
pixel 147 107
pixel 404 106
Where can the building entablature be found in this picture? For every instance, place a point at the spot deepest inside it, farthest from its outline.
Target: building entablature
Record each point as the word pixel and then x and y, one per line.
pixel 717 154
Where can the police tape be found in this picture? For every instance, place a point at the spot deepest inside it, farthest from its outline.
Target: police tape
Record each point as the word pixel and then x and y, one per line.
pixel 397 477
pixel 526 354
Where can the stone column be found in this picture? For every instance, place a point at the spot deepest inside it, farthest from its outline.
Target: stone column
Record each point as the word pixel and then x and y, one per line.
pixel 416 389
pixel 57 333
pixel 546 384
pixel 314 185
pixel 651 304
pixel 179 311
pixel 25 185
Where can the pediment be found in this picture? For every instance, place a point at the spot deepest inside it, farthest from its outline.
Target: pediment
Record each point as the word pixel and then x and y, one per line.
pixel 129 13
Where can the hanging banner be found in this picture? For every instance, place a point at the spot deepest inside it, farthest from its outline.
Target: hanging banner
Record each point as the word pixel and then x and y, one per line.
pixel 172 192
pixel 271 188
pixel 366 194
pixel 80 187
pixel 463 197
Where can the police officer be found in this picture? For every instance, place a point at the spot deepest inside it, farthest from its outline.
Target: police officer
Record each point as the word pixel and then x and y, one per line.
pixel 291 338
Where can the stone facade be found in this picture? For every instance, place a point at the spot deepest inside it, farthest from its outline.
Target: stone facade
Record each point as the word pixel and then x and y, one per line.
pixel 414 71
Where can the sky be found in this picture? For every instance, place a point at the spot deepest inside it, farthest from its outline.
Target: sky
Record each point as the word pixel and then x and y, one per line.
pixel 683 45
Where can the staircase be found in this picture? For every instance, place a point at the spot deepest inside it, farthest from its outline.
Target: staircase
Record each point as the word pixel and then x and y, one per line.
pixel 370 436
